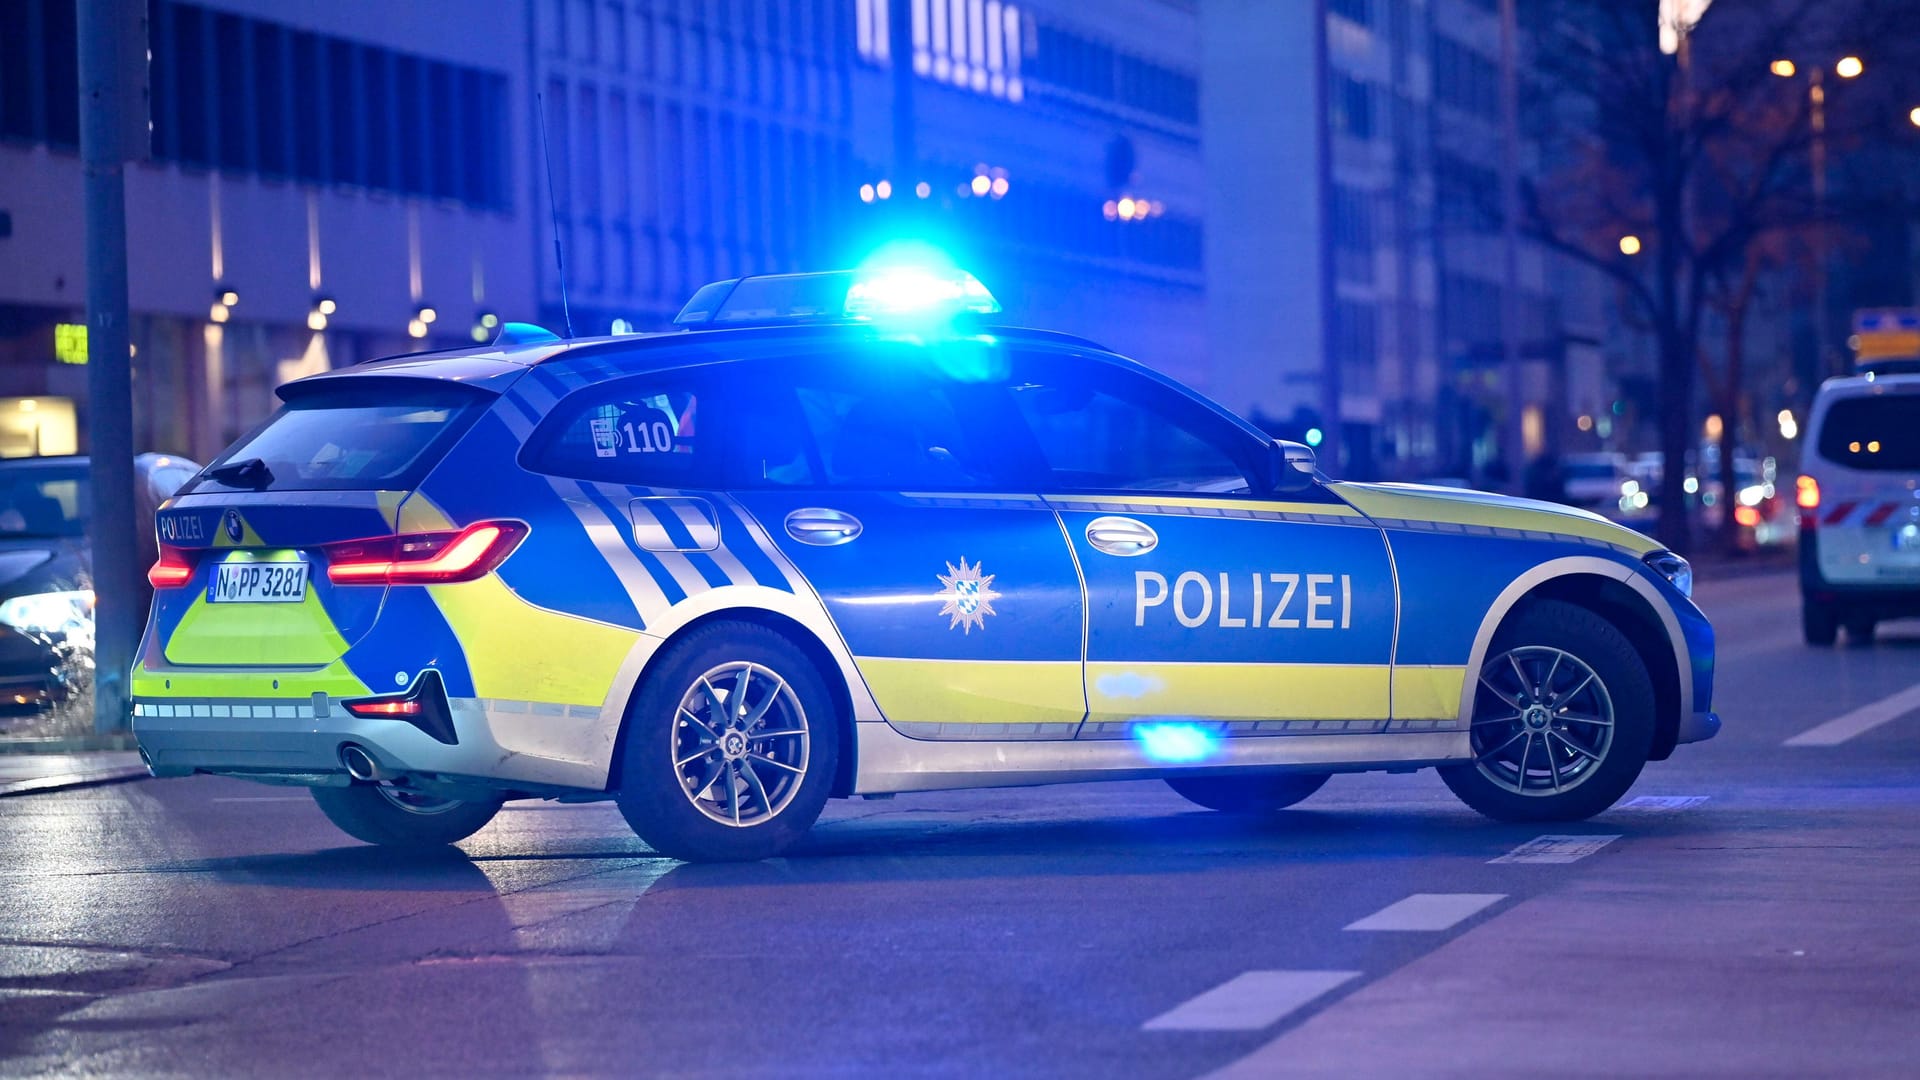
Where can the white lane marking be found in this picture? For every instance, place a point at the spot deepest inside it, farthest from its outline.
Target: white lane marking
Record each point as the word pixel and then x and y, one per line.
pixel 1861 720
pixel 1249 1001
pixel 1428 911
pixel 262 798
pixel 1556 849
pixel 1661 804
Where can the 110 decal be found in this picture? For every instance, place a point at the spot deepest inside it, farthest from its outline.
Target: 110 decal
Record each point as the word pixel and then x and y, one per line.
pixel 1317 606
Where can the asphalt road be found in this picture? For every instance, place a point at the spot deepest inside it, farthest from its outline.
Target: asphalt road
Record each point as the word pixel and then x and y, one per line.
pixel 1750 913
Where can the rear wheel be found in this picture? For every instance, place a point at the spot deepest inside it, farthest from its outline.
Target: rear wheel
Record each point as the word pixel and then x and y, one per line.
pixel 1562 721
pixel 1818 623
pixel 403 818
pixel 1255 794
pixel 730 748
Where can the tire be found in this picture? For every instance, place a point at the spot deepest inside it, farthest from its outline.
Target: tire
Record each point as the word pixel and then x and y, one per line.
pixel 1257 794
pixel 1586 699
pixel 773 784
pixel 1818 624
pixel 1860 631
pixel 393 817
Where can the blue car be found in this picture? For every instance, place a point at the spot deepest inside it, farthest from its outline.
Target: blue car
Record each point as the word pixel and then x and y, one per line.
pixel 846 534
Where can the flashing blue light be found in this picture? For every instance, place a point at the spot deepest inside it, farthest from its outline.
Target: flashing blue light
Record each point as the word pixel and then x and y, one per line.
pixel 913 290
pixel 1315 436
pixel 1174 742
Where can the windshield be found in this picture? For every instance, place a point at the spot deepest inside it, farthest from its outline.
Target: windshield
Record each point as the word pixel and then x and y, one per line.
pixel 39 502
pixel 1880 433
pixel 365 434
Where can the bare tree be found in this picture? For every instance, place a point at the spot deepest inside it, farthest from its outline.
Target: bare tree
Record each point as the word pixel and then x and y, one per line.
pixel 1698 155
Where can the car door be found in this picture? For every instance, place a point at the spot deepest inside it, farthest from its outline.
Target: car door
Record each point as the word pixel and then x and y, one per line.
pixel 956 594
pixel 1249 612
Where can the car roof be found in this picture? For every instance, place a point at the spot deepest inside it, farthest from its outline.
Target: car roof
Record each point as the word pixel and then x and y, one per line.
pixel 495 367
pixel 1870 383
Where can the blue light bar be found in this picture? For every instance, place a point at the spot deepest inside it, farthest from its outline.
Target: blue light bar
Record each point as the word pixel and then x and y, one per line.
pixel 861 295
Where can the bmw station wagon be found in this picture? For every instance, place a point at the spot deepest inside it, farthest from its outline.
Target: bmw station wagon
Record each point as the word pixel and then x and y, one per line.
pixel 845 534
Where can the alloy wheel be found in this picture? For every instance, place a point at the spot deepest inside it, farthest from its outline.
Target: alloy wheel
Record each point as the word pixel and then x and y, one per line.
pixel 1543 721
pixel 740 744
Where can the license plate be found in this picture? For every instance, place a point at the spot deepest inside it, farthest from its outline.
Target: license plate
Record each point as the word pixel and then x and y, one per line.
pixel 259 583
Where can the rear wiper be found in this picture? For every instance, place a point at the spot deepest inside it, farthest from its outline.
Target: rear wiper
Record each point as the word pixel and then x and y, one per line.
pixel 250 473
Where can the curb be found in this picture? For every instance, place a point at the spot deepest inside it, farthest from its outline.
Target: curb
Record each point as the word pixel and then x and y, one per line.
pixel 67 744
pixel 71 781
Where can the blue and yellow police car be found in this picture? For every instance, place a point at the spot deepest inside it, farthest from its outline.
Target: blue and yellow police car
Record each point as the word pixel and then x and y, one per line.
pixel 846 534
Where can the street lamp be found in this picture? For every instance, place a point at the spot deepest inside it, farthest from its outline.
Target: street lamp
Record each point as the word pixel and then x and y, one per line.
pixel 1847 67
pixel 1915 116
pixel 1629 245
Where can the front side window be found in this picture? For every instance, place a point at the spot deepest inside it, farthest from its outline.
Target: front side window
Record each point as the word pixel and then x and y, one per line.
pixel 1100 428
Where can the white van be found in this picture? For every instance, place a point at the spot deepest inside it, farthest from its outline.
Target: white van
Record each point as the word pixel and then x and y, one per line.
pixel 1859 506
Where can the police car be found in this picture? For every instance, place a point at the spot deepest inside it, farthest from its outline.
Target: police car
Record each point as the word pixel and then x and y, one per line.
pixel 1858 497
pixel 845 534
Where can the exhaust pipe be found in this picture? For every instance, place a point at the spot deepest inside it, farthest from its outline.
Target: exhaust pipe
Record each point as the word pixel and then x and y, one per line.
pixel 360 764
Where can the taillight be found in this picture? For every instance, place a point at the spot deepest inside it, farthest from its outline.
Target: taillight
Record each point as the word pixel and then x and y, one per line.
pixel 424 558
pixel 1806 493
pixel 384 708
pixel 173 570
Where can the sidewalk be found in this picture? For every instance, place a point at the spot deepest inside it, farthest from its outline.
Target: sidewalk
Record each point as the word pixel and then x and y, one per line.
pixel 28 773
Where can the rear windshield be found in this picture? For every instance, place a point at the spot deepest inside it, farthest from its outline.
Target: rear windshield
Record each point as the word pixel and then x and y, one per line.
pixel 1881 433
pixel 367 434
pixel 40 502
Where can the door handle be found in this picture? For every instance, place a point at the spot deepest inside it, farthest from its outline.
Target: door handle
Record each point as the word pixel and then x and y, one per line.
pixel 821 527
pixel 1121 536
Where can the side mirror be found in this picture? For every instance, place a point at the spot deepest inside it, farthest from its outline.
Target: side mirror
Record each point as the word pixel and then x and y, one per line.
pixel 1294 466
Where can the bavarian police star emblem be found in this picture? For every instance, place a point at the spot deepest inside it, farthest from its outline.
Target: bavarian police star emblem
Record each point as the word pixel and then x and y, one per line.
pixel 969 596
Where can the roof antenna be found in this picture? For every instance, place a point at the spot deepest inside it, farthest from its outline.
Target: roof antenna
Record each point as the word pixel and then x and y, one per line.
pixel 553 207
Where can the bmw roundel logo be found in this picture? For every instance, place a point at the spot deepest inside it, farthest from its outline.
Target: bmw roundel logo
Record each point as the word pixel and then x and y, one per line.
pixel 235 530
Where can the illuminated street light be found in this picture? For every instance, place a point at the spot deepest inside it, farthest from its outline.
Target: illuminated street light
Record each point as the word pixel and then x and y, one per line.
pixel 866 192
pixel 923 189
pixel 1849 67
pixel 1629 245
pixel 999 186
pixel 1782 68
pixel 883 189
pixel 1914 116
pixel 981 184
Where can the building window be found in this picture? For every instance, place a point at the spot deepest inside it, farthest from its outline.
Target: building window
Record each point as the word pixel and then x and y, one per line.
pixel 252 97
pixel 1351 105
pixel 1358 12
pixel 1464 79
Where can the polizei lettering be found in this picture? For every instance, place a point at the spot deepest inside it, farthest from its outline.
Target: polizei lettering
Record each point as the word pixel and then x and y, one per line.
pixel 1250 601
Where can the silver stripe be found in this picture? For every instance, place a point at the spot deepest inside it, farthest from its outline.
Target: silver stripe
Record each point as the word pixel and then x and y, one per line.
pixel 610 540
pixel 690 580
pixel 529 390
pixel 1497 532
pixel 795 583
pixel 1225 510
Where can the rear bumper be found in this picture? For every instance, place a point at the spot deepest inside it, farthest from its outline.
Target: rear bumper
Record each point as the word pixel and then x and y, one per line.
pixel 298 741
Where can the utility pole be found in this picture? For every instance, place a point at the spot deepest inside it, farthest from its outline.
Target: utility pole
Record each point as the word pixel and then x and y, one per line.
pixel 1817 98
pixel 906 168
pixel 113 131
pixel 1330 389
pixel 1514 424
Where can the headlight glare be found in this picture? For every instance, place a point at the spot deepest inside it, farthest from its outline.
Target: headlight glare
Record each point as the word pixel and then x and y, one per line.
pixel 65 612
pixel 1674 568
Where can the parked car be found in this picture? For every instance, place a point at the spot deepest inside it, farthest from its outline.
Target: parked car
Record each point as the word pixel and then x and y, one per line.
pixel 46 571
pixel 1594 481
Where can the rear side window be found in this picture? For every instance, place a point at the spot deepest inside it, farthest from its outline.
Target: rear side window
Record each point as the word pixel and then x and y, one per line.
pixel 646 432
pixel 1880 433
pixel 366 434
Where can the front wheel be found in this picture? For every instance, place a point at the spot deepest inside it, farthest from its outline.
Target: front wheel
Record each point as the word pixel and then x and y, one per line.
pixel 1257 794
pixel 730 747
pixel 1562 721
pixel 400 817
